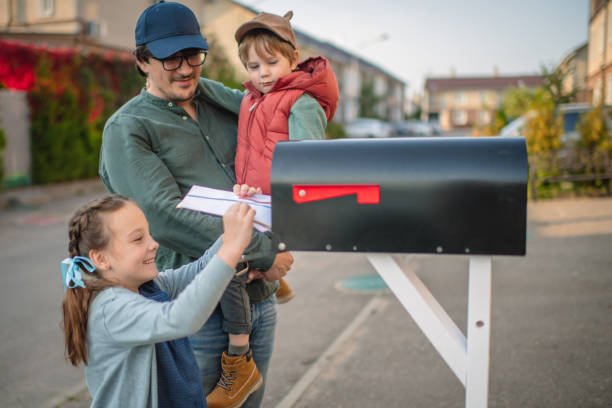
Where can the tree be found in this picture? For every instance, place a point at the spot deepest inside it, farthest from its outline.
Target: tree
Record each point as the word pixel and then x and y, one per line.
pixel 593 129
pixel 218 66
pixel 553 84
pixel 368 100
pixel 516 101
pixel 418 111
pixel 335 130
pixel 494 127
pixel 544 129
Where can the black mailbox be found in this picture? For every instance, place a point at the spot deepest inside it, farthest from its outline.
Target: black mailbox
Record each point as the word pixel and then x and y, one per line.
pixel 458 195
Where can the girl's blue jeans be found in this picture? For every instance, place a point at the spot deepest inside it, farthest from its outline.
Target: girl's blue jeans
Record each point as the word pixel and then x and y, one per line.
pixel 211 341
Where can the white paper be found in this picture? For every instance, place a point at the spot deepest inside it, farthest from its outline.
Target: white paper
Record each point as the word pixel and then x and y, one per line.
pixel 216 202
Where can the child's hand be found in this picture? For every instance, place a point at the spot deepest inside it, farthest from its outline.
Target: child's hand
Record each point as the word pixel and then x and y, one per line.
pixel 237 232
pixel 244 190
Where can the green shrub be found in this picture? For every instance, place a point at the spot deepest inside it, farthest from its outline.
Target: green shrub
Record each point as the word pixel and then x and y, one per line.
pixel 72 98
pixel 335 130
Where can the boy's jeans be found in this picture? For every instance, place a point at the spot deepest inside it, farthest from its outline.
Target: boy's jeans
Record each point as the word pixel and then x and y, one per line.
pixel 210 342
pixel 236 307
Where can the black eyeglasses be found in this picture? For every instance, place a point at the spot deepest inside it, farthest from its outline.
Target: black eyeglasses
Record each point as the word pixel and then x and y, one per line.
pixel 193 60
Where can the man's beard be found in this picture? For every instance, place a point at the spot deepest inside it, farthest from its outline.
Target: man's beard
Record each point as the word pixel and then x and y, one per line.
pixel 176 98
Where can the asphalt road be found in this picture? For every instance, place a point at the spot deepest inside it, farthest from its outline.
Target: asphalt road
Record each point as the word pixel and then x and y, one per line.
pixel 551 336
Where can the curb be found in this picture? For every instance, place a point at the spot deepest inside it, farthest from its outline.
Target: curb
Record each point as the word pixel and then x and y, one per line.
pixel 38 195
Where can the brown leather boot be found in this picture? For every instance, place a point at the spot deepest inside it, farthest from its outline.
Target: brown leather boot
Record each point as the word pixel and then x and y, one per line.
pixel 284 292
pixel 239 379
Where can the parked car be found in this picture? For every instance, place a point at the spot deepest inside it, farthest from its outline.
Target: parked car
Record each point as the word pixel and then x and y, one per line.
pixel 571 116
pixel 437 128
pixel 413 128
pixel 368 127
pixel 515 127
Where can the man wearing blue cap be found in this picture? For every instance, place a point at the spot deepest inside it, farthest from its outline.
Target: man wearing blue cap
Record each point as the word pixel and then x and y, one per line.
pixel 181 131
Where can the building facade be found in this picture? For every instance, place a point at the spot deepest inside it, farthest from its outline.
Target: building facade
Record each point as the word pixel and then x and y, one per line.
pixel 106 24
pixel 599 63
pixel 109 24
pixel 466 102
pixel 574 68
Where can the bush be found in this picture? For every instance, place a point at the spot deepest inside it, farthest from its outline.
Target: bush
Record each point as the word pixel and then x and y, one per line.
pixel 494 127
pixel 335 130
pixel 543 130
pixel 593 130
pixel 71 95
pixel 218 66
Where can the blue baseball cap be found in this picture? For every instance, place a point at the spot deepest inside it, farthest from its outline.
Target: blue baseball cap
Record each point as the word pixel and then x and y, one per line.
pixel 167 28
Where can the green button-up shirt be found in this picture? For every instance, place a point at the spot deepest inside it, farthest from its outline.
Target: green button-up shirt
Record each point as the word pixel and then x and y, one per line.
pixel 153 152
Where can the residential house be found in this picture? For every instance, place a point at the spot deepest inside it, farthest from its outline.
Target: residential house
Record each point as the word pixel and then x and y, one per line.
pixel 574 68
pixel 599 63
pixel 109 24
pixel 465 102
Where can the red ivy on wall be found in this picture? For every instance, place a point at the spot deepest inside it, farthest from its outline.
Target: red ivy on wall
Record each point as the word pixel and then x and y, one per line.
pixel 19 63
pixel 71 94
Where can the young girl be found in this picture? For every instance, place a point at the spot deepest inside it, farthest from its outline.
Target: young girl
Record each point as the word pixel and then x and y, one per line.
pixel 126 321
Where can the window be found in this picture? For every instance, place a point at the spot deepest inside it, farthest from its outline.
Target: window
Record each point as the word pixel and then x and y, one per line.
pixel 21 11
pixel 483 97
pixel 47 8
pixel 459 117
pixel 570 121
pixel 460 97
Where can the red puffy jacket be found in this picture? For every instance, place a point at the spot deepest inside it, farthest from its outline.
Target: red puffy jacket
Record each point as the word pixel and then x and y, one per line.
pixel 264 118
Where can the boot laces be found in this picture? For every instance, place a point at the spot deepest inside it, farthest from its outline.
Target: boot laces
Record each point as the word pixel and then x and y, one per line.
pixel 227 380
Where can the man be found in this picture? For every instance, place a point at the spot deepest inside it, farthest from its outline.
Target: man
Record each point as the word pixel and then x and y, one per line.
pixel 174 135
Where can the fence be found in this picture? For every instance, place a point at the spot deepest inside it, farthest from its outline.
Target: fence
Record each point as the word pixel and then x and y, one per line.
pixel 578 166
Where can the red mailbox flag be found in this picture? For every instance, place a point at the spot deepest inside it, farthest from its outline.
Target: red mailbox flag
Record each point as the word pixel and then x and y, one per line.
pixel 366 193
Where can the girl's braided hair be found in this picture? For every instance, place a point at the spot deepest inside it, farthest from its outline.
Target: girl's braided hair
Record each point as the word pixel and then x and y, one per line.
pixel 87 230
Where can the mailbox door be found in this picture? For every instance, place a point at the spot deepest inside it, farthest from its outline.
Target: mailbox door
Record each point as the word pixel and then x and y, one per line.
pixel 417 195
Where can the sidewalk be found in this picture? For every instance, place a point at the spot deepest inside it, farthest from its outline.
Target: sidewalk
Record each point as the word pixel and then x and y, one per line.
pixel 39 195
pixel 547 307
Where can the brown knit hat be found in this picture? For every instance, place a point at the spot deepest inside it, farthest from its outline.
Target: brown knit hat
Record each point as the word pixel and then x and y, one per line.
pixel 271 22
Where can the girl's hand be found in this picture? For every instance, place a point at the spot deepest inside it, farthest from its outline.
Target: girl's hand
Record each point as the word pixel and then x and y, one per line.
pixel 244 190
pixel 238 229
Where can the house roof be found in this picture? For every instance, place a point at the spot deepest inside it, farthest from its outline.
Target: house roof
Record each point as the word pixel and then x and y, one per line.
pixel 581 49
pixel 482 82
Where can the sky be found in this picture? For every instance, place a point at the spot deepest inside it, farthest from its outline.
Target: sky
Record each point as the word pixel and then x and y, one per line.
pixel 415 39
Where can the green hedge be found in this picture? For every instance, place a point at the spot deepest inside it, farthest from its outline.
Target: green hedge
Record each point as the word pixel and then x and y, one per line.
pixel 72 98
pixel 2 146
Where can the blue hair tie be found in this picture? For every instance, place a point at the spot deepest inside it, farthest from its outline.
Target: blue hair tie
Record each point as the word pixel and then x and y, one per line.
pixel 71 274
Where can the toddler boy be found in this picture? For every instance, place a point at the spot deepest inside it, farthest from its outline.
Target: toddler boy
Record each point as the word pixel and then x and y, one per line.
pixel 285 100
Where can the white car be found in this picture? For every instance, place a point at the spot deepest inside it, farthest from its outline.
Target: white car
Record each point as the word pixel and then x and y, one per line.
pixel 571 116
pixel 367 127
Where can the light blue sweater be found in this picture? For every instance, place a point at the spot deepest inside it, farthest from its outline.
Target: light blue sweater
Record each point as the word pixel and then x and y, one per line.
pixel 124 326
